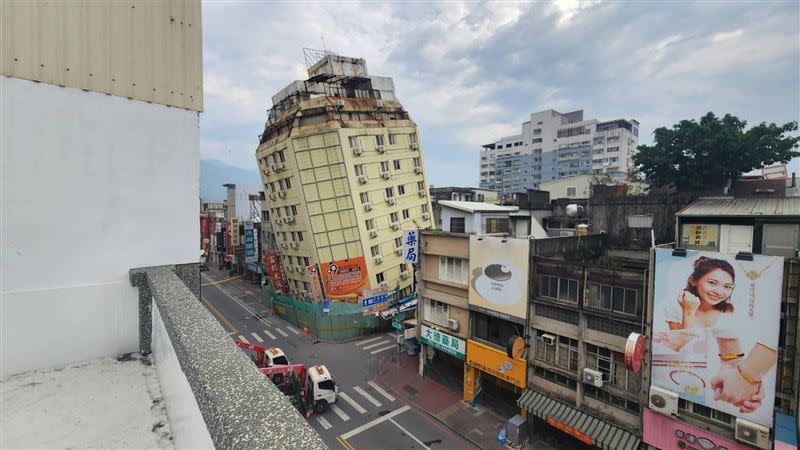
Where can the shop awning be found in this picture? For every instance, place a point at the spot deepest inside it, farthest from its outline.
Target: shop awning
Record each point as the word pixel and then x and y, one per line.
pixel 604 435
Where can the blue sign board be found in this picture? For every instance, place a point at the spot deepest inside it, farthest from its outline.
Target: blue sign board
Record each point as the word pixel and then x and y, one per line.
pixel 326 305
pixel 367 302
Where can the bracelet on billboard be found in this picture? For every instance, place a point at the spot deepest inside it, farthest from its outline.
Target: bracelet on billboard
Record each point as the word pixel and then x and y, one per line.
pixel 730 356
pixel 687 372
pixel 746 378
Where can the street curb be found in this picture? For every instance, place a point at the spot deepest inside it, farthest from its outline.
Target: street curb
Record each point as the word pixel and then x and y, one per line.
pixel 467 438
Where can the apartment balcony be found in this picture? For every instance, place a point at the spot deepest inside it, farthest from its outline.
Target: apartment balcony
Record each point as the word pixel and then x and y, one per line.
pixel 188 386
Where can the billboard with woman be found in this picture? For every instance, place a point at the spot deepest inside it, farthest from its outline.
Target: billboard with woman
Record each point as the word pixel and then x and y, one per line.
pixel 715 330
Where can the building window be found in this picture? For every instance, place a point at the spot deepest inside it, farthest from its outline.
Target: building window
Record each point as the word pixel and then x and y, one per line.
pixel 424 209
pixel 552 312
pixel 384 166
pixel 493 330
pixel 396 164
pixel 457 225
pixel 572 191
pixel 375 250
pixel 704 411
pixel 364 197
pixel 392 139
pixel 379 139
pixel 608 326
pixel 612 149
pixel 415 162
pixel 401 189
pixel 294 210
pixel 389 192
pixel 605 396
pixel 393 217
pixel 359 168
pixel 555 377
pixel 599 359
pixel 370 224
pixel 558 288
pixel 420 186
pixel 380 278
pixel 497 225
pixel 287 183
pixel 436 312
pixel 454 270
pixel 398 242
pixel 406 215
pixel 300 236
pixel 412 138
pixel 353 141
pixel 559 351
pixel 614 298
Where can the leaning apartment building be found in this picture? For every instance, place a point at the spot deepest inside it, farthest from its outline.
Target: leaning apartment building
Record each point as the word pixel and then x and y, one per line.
pixel 343 173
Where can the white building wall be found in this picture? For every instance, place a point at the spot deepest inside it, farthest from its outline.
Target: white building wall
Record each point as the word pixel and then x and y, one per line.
pixel 92 186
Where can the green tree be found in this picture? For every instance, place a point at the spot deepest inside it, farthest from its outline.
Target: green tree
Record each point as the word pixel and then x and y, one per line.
pixel 694 155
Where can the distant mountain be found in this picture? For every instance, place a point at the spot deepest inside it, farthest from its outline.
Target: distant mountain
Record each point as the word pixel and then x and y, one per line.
pixel 214 173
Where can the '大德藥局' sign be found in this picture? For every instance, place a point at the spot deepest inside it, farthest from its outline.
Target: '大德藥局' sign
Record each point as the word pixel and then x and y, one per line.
pixel 444 342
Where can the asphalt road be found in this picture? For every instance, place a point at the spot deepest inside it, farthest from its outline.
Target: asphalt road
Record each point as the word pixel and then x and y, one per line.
pixel 366 414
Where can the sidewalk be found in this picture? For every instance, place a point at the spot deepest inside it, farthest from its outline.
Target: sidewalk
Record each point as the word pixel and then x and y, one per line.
pixel 479 426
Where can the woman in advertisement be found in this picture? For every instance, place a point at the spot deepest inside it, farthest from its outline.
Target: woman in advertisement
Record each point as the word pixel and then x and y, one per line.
pixel 705 307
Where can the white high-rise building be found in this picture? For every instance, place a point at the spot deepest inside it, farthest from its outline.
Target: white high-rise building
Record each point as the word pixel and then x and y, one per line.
pixel 553 145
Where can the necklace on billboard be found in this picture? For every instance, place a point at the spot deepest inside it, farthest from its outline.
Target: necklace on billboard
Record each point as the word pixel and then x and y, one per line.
pixel 753 275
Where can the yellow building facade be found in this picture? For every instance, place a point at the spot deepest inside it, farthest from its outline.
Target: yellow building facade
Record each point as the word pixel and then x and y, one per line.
pixel 343 176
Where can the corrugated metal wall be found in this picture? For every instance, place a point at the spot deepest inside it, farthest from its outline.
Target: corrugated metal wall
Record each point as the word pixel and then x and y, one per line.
pixel 145 50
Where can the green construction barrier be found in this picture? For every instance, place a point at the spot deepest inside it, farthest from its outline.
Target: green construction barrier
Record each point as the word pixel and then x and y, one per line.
pixel 345 320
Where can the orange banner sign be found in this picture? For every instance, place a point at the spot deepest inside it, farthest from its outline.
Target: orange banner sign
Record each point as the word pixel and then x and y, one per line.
pixel 345 279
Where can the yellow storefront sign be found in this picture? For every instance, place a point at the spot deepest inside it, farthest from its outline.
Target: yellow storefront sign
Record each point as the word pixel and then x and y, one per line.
pixel 497 363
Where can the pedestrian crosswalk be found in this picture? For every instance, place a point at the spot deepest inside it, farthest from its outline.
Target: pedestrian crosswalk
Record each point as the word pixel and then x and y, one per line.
pixel 378 344
pixel 361 400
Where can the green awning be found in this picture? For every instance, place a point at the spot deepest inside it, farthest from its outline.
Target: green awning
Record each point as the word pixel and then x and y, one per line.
pixel 604 434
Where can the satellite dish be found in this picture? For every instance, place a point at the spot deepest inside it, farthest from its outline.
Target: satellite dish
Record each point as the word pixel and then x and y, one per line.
pixel 574 210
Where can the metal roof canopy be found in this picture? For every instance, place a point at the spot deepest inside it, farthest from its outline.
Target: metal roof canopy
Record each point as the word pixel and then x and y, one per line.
pixel 604 434
pixel 742 207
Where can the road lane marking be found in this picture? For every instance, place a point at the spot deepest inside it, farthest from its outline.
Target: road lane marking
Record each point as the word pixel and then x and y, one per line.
pixel 211 283
pixel 366 395
pixel 368 340
pixel 380 391
pixel 258 338
pixel 216 312
pixel 241 338
pixel 293 329
pixel 324 422
pixel 366 347
pixel 245 307
pixel 391 346
pixel 281 332
pixel 342 415
pixel 409 434
pixel 271 336
pixel 352 402
pixel 371 424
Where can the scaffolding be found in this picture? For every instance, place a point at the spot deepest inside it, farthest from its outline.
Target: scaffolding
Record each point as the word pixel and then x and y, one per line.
pixel 313 56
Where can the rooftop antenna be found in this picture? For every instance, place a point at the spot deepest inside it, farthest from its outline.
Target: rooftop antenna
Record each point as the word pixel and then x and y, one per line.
pixel 322 37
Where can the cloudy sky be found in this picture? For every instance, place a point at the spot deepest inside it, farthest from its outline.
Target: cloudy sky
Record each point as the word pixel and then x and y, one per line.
pixel 471 72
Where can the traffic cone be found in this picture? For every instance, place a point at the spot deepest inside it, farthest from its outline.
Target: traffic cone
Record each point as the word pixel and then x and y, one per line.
pixel 305 331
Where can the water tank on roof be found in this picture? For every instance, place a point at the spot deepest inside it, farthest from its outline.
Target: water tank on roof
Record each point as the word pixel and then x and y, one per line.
pixel 574 210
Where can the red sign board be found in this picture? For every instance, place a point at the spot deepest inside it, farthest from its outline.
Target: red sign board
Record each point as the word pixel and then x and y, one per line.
pixel 273 263
pixel 345 279
pixel 634 352
pixel 583 437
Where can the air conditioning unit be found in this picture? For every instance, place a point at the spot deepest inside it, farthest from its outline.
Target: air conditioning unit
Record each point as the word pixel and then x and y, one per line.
pixel 414 146
pixel 339 103
pixel 379 104
pixel 548 339
pixel 404 275
pixel 452 324
pixel 278 166
pixel 384 285
pixel 284 245
pixel 378 259
pixel 426 216
pixel 357 151
pixel 294 244
pixel 380 148
pixel 368 206
pixel 422 193
pixel 663 401
pixel 395 225
pixel 593 377
pixel 273 196
pixel 362 179
pixel 282 194
pixel 391 200
pixel 418 170
pixel 398 250
pixel 386 175
pixel 299 269
pixel 752 434
pixel 373 233
pixel 288 219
